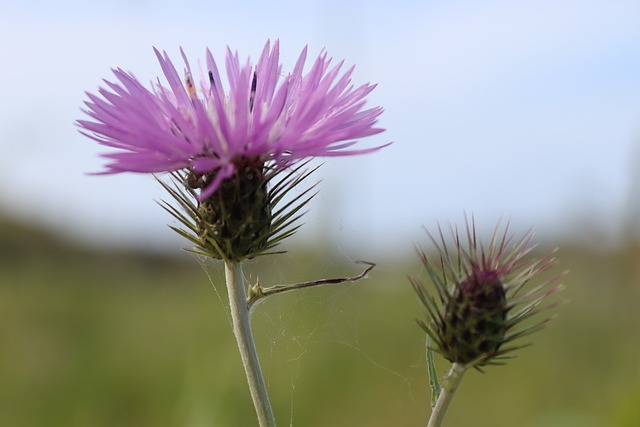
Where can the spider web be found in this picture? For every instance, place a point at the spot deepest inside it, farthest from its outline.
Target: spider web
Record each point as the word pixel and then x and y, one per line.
pixel 350 332
pixel 295 332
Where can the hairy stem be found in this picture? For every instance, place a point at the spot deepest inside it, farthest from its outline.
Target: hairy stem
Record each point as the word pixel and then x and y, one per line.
pixel 451 383
pixel 241 319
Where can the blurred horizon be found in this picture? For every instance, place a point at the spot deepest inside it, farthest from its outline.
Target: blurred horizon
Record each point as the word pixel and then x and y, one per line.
pixel 594 237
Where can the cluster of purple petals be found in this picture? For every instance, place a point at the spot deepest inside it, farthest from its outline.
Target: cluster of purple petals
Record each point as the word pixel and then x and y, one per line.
pixel 261 114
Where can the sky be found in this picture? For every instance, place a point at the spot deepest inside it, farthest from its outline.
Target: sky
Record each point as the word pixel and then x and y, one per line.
pixel 524 110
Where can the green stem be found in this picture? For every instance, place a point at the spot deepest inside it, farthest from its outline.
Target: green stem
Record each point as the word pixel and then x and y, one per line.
pixel 240 316
pixel 451 383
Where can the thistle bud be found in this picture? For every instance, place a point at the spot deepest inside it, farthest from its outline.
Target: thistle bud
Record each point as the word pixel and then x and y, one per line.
pixel 480 301
pixel 474 320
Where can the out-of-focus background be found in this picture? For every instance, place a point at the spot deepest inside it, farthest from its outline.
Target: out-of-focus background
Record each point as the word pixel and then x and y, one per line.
pixel 525 110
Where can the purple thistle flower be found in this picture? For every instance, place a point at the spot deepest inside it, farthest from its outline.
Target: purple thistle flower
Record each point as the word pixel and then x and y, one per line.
pixel 261 117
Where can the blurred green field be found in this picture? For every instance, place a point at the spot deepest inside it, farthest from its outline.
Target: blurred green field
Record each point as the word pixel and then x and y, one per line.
pixel 123 339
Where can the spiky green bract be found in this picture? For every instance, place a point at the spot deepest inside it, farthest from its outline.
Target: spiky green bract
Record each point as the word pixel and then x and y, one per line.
pixel 484 296
pixel 246 217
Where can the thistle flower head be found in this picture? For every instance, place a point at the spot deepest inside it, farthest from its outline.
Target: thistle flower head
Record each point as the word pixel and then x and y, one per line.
pixel 264 115
pixel 225 146
pixel 483 295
